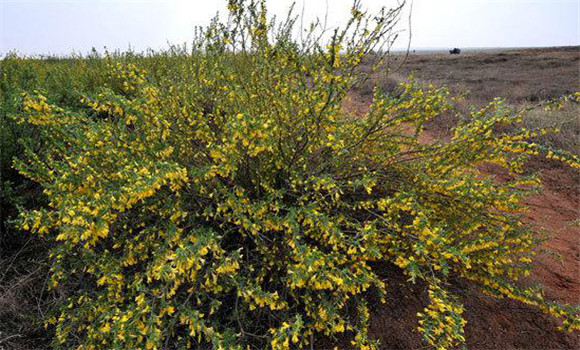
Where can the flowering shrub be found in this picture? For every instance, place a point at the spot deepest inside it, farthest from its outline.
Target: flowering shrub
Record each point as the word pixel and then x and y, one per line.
pixel 223 199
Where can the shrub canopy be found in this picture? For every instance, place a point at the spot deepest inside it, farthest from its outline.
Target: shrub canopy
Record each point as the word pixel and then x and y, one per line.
pixel 222 198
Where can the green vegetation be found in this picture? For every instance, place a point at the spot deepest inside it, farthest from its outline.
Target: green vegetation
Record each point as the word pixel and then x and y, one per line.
pixel 221 198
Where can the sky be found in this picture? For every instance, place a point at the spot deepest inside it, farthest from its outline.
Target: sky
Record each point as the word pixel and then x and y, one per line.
pixel 42 27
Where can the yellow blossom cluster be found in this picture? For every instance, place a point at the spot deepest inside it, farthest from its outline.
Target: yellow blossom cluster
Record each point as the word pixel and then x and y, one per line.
pixel 222 198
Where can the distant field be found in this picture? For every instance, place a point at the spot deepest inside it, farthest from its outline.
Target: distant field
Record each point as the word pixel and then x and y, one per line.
pixel 519 75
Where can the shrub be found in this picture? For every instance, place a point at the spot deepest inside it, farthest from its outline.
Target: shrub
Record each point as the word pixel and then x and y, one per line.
pixel 221 199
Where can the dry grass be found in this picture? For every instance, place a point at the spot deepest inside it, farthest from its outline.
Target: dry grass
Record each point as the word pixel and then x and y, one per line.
pixel 23 298
pixel 520 76
pixel 567 119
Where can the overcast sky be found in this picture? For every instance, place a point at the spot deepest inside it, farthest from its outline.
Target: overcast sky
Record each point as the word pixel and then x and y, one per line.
pixel 64 26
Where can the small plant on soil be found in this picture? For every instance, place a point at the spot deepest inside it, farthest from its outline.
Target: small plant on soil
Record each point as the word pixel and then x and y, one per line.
pixel 221 198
